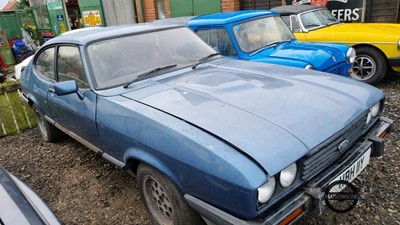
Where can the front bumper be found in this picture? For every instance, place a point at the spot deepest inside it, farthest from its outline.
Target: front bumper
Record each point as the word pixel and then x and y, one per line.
pixel 311 196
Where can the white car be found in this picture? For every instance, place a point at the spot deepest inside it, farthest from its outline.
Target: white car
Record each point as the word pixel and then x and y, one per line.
pixel 18 67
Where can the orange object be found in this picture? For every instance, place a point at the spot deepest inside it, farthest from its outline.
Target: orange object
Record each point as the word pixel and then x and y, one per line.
pixel 292 216
pixel 2 63
pixel 319 2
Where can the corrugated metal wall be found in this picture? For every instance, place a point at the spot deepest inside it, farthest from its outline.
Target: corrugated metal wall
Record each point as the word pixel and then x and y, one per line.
pixel 10 24
pixel 118 12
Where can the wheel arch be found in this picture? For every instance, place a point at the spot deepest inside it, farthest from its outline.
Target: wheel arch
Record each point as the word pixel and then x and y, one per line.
pixel 357 46
pixel 134 157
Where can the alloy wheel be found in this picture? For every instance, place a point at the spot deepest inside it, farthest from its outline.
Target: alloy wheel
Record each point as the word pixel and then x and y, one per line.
pixel 158 200
pixel 364 67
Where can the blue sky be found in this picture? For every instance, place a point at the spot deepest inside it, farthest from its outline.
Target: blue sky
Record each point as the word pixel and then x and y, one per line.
pixel 3 3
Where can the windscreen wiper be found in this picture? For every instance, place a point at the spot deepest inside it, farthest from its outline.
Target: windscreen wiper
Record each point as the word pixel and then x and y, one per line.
pixel 272 43
pixel 204 59
pixel 149 74
pixel 313 25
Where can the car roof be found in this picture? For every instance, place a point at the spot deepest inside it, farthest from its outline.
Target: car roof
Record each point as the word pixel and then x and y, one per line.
pixel 84 36
pixel 295 9
pixel 228 17
pixel 173 21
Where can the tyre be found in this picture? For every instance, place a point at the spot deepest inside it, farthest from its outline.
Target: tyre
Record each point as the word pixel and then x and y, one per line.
pixel 164 201
pixel 370 65
pixel 48 131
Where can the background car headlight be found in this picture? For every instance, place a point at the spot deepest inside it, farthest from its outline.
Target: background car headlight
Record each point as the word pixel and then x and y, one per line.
pixel 266 191
pixel 398 45
pixel 288 175
pixel 309 67
pixel 375 110
pixel 350 55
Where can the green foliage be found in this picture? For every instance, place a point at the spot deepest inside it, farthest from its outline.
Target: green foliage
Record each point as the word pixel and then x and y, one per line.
pixel 25 9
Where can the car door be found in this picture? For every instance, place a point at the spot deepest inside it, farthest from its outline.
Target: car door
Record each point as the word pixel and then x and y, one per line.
pixel 74 113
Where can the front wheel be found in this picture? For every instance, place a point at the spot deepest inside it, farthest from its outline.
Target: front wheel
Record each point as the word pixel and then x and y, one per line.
pixel 370 65
pixel 163 199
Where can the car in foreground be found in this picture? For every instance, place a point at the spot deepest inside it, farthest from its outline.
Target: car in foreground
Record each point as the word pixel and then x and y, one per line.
pixel 262 36
pixel 20 205
pixel 210 139
pixel 377 45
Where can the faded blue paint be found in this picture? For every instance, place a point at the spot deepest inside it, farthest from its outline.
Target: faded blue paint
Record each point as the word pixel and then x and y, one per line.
pixel 218 130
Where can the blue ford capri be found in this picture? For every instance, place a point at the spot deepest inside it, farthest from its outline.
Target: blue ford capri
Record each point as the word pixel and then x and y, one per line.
pixel 210 139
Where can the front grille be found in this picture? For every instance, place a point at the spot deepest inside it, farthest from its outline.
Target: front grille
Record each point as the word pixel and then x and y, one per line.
pixel 326 153
pixel 339 69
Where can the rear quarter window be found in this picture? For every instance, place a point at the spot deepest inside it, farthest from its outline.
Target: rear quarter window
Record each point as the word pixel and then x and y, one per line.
pixel 45 63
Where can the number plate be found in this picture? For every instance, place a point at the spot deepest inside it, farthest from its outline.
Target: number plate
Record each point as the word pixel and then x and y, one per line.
pixel 352 172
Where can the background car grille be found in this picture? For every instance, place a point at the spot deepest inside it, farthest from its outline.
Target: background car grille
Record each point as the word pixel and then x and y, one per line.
pixel 339 69
pixel 326 153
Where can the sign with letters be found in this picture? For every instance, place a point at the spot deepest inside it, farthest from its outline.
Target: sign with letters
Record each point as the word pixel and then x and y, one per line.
pixel 347 10
pixel 342 10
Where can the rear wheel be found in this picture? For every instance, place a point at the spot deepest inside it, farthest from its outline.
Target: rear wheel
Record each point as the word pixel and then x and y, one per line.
pixel 370 65
pixel 48 131
pixel 163 199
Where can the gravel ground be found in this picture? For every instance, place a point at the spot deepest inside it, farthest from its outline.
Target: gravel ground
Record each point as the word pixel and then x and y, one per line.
pixel 82 188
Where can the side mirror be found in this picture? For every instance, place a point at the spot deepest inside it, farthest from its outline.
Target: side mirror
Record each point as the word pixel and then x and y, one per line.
pixel 67 87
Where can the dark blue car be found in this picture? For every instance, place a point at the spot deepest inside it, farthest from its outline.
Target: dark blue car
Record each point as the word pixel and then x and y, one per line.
pixel 262 36
pixel 210 139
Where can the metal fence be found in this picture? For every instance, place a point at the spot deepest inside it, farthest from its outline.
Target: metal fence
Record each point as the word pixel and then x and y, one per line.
pixel 15 115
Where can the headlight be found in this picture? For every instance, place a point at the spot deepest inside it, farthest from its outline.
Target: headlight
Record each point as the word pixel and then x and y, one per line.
pixel 309 67
pixel 288 175
pixel 369 117
pixel 265 192
pixel 350 55
pixel 375 109
pixel 398 45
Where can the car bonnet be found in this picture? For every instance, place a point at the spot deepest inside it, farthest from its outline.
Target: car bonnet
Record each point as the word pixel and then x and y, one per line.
pixel 273 116
pixel 321 57
pixel 363 32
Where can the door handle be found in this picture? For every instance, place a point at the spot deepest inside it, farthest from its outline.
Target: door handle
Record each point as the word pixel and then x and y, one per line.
pixel 51 89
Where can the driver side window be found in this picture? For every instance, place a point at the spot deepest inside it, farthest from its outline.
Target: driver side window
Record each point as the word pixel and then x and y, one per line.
pixel 295 23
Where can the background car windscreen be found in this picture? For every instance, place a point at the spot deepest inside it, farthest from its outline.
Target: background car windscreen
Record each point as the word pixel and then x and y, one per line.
pixel 255 34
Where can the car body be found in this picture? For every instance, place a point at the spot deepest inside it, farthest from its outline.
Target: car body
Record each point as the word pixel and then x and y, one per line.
pixel 20 66
pixel 261 36
pixel 377 44
pixel 20 205
pixel 210 139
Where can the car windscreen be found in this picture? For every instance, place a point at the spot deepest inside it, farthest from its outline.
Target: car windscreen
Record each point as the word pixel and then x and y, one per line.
pixel 256 34
pixel 317 18
pixel 120 60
